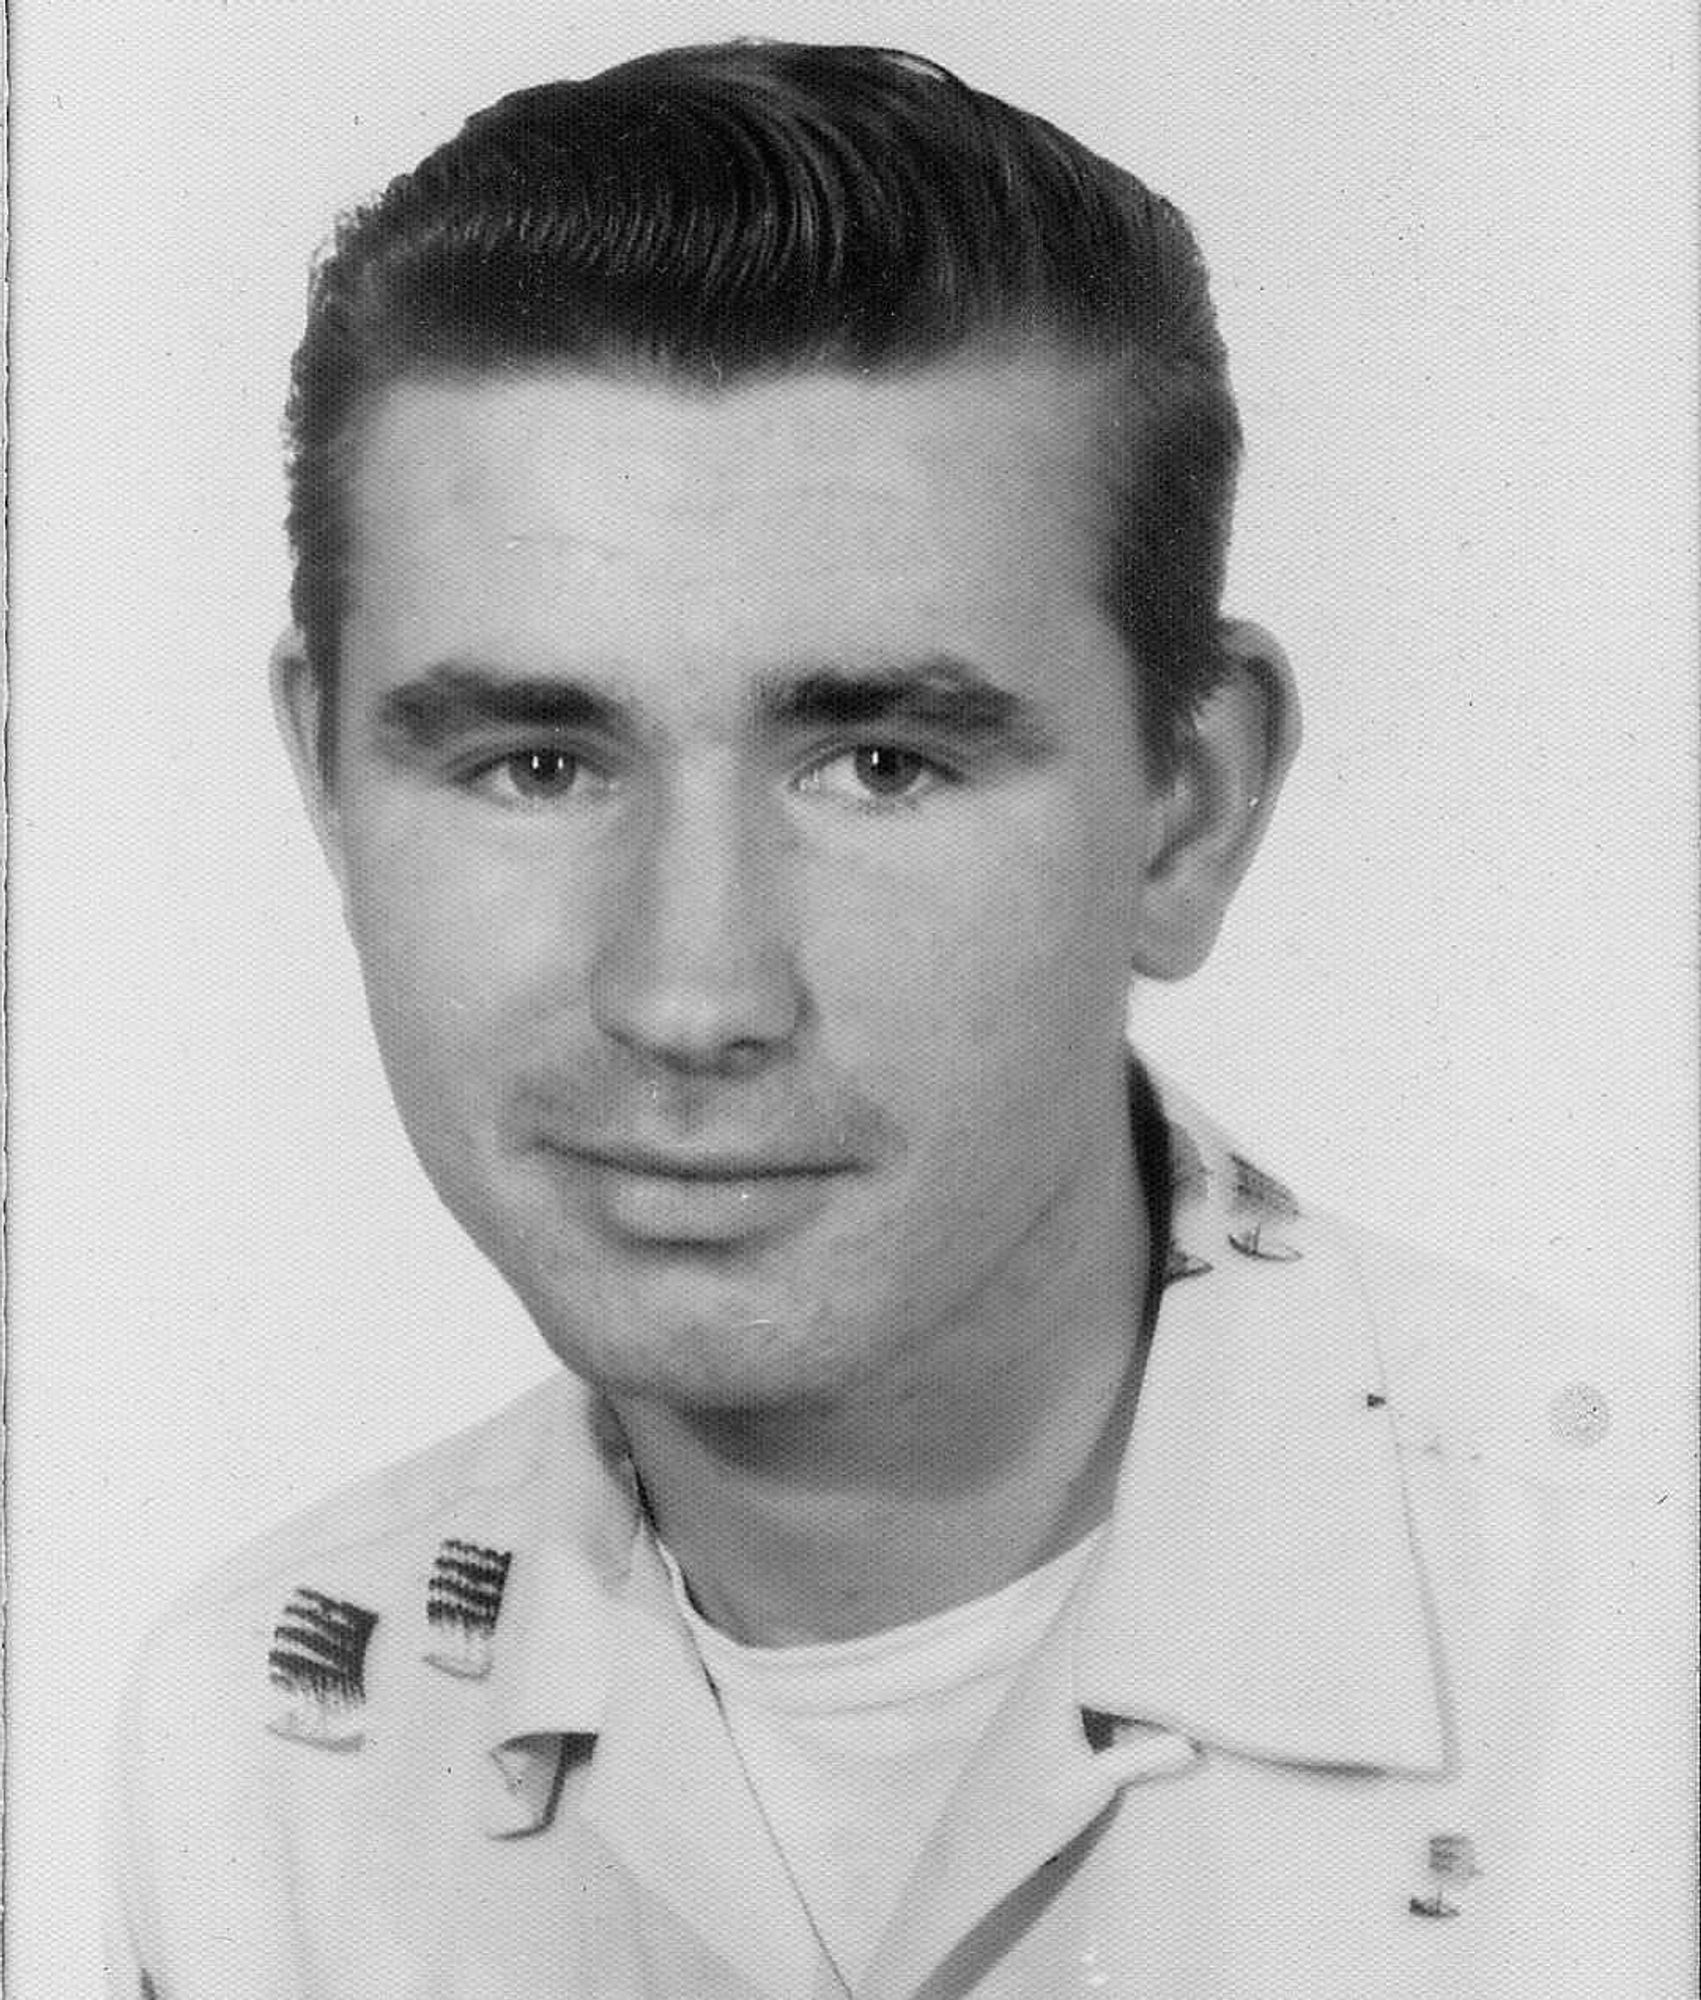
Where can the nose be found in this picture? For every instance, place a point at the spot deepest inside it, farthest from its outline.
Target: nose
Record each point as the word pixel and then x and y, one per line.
pixel 696 970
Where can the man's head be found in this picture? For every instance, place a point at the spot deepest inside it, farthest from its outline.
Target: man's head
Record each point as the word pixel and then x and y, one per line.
pixel 759 521
pixel 706 218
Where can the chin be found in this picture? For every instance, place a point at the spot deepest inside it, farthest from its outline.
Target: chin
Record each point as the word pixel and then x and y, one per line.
pixel 701 1361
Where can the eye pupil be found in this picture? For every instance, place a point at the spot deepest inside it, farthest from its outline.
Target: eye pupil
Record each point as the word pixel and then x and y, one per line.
pixel 542 770
pixel 880 768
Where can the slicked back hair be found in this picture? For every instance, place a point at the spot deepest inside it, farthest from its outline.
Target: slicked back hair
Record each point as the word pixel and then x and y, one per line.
pixel 710 217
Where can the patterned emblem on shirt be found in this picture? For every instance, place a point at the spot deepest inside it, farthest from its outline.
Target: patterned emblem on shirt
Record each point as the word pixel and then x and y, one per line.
pixel 1264 1200
pixel 1259 1193
pixel 318 1660
pixel 462 1604
pixel 1452 1862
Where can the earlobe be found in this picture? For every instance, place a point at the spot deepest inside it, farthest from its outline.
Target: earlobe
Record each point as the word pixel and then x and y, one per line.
pixel 298 697
pixel 1209 820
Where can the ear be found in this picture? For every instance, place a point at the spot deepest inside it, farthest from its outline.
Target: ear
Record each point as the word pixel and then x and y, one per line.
pixel 298 699
pixel 1209 819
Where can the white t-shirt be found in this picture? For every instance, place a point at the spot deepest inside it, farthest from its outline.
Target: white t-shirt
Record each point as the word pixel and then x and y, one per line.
pixel 852 1749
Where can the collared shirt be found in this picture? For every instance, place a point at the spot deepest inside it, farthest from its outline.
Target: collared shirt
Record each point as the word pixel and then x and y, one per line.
pixel 1374 1688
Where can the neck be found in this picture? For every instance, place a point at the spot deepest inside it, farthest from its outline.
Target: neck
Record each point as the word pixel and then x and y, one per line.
pixel 997 1448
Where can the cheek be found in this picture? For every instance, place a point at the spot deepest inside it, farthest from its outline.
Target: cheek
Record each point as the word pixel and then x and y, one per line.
pixel 1010 941
pixel 447 949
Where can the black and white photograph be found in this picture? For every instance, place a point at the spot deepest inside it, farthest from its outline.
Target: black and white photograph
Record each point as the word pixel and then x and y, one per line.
pixel 851 1008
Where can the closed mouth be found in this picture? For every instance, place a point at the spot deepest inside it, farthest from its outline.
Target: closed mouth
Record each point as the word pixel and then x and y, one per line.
pixel 701 1167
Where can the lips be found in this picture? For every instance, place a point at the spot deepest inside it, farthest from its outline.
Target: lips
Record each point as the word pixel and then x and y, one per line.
pixel 669 1199
pixel 596 1112
pixel 707 1167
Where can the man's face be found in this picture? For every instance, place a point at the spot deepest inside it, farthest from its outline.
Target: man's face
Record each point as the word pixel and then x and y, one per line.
pixel 742 824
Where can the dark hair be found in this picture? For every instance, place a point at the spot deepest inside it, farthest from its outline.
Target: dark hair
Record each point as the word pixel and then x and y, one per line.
pixel 709 216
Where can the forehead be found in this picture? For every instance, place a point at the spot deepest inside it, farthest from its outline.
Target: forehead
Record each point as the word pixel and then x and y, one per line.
pixel 560 510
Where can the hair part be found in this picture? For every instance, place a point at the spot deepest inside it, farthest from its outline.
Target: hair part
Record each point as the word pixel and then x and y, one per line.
pixel 709 217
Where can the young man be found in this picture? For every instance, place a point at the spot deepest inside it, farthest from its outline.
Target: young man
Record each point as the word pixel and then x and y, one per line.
pixel 759 682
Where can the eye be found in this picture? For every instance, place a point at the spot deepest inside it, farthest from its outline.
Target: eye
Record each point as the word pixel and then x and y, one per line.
pixel 533 777
pixel 875 775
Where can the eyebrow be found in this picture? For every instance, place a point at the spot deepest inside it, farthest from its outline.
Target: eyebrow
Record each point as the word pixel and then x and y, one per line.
pixel 940 692
pixel 455 698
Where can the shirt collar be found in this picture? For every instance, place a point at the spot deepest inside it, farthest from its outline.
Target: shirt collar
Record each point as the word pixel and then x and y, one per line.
pixel 559 1637
pixel 1257 1588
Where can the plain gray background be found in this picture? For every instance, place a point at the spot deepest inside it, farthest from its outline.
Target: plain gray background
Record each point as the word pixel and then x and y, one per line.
pixel 1454 254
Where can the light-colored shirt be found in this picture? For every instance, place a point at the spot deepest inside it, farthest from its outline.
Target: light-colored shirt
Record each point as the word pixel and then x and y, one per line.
pixel 1376 1685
